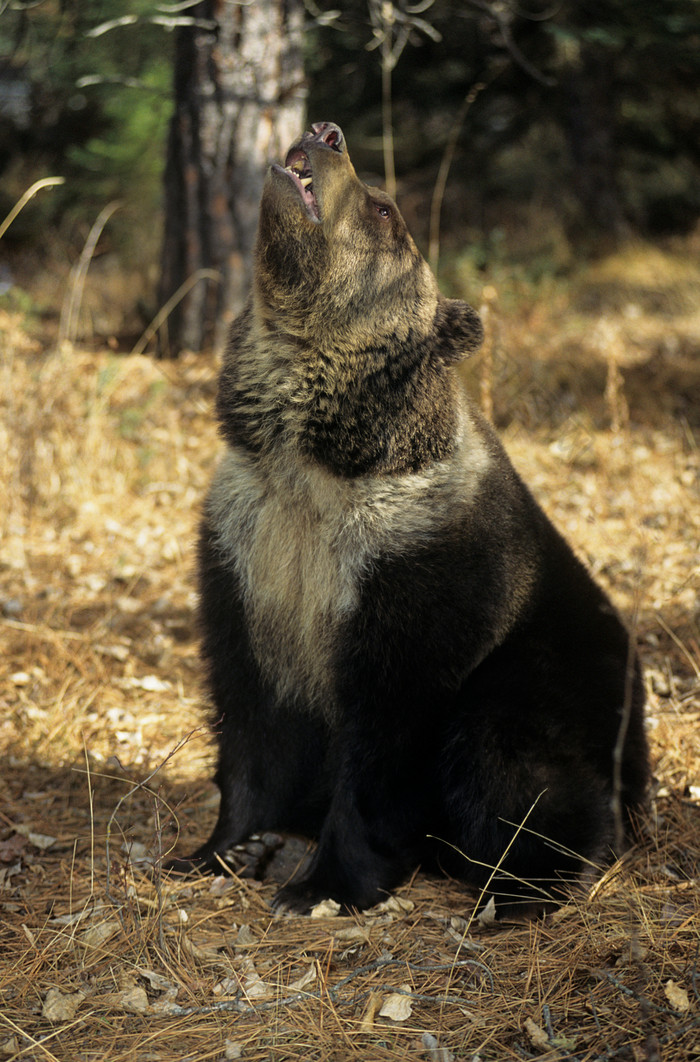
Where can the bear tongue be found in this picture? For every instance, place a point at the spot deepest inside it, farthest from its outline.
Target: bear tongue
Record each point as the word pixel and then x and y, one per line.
pixel 297 162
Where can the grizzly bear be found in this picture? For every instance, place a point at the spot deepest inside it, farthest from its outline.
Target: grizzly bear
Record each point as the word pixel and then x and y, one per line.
pixel 407 662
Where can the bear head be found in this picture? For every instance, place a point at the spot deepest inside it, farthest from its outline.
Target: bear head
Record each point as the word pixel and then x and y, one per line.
pixel 336 264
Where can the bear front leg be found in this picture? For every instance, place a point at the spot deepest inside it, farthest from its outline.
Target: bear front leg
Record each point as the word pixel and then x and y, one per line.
pixel 349 866
pixel 272 761
pixel 271 776
pixel 244 809
pixel 399 670
pixel 375 830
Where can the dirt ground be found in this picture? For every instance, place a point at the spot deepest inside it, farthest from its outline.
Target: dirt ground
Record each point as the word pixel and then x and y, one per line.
pixel 106 759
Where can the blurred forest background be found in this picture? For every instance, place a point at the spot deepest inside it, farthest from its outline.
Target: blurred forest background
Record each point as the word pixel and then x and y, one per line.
pixel 526 138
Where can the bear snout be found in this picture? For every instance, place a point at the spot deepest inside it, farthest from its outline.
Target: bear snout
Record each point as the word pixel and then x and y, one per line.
pixel 328 133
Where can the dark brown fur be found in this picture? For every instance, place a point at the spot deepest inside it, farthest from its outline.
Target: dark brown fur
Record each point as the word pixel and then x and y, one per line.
pixel 406 659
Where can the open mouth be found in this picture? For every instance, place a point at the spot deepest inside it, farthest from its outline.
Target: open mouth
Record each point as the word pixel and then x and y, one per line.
pixel 298 167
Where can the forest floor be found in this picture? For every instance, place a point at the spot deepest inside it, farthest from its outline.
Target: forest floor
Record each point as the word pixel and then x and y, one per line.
pixel 106 760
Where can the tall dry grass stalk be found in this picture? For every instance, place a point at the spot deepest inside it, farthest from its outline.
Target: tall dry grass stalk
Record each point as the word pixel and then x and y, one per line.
pixel 162 316
pixel 443 173
pixel 45 182
pixel 70 310
pixel 392 25
pixel 618 751
pixel 387 20
pixel 609 345
pixel 486 354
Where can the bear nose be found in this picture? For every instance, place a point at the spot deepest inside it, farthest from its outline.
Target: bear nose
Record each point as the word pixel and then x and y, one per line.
pixel 328 133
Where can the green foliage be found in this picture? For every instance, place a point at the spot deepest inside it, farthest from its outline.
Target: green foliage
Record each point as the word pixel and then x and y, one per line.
pixel 19 301
pixel 128 158
pixel 101 104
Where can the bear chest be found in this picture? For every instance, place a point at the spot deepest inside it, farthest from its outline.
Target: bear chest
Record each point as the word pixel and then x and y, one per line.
pixel 301 542
pixel 299 549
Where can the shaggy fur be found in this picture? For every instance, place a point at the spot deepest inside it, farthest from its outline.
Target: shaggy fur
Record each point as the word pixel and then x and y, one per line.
pixel 406 659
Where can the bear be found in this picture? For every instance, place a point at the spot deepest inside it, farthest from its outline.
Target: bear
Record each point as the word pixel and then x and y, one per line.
pixel 407 662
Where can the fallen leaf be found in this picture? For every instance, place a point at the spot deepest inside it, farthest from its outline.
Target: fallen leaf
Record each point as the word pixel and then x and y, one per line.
pixel 68 919
pixel 397 1006
pixel 165 1004
pixel 563 1043
pixel 138 852
pixel 244 938
pixel 130 605
pixel 435 1052
pixel 638 952
pixel 118 652
pixel 60 1007
pixel 677 997
pixel 352 933
pixel 156 980
pixel 150 683
pixel 12 847
pixel 7 872
pixel 203 954
pixel 252 983
pixel 648 1051
pixel 97 935
pixel 325 909
pixel 395 905
pixel 39 840
pixel 9 1048
pixel 370 1013
pixel 536 1034
pixel 134 999
pixel 220 885
pixel 306 979
pixel 487 917
pixel 227 986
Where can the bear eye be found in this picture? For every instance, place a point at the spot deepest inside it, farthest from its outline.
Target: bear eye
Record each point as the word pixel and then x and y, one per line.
pixel 382 210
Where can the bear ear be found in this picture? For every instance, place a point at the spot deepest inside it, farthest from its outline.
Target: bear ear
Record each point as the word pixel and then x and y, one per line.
pixel 457 328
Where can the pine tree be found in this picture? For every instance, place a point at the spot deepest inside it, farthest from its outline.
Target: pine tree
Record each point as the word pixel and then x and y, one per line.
pixel 239 102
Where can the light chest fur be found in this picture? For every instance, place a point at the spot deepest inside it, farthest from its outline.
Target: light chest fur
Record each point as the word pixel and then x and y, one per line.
pixel 300 540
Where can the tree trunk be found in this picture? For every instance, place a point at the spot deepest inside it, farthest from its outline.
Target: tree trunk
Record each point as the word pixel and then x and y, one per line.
pixel 239 102
pixel 591 129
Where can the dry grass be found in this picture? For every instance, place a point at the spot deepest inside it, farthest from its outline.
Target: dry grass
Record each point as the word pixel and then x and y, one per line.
pixel 103 463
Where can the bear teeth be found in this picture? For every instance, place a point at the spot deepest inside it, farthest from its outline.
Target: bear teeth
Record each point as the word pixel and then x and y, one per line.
pixel 298 170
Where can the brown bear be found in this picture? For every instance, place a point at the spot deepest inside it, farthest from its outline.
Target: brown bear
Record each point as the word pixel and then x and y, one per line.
pixel 407 662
